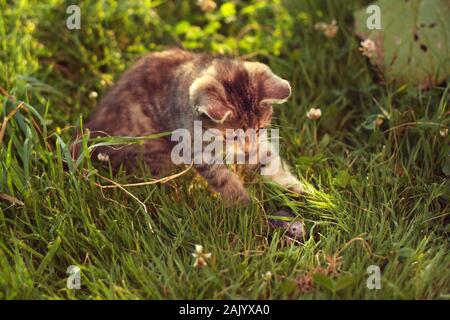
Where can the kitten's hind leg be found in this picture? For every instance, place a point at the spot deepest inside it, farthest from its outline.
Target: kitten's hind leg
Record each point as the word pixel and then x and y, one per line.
pixel 224 181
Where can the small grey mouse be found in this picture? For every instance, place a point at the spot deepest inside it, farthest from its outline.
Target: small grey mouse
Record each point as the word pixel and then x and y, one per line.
pixel 286 221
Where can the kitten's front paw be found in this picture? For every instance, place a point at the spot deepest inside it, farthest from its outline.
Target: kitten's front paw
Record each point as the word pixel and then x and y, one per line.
pixel 297 188
pixel 289 182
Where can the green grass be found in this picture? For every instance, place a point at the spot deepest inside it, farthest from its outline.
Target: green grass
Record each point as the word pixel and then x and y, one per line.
pixel 380 193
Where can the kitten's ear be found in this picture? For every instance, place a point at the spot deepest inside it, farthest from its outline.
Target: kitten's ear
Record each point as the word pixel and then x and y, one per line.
pixel 208 97
pixel 271 88
pixel 216 114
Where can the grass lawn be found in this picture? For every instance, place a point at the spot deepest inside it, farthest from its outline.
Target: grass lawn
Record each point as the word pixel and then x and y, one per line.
pixel 379 193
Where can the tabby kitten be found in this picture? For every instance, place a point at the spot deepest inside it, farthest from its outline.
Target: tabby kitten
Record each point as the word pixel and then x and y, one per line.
pixel 168 90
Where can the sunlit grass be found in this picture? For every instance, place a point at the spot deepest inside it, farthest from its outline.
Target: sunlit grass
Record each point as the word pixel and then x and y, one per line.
pixel 376 195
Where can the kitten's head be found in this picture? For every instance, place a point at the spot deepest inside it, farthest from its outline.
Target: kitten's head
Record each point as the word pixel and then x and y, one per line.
pixel 233 94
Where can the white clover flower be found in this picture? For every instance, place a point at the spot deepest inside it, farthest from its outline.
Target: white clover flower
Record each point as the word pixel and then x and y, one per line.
pixel 267 276
pixel 93 95
pixel 103 157
pixel 330 30
pixel 443 132
pixel 314 113
pixel 367 48
pixel 320 26
pixel 200 257
pixel 206 5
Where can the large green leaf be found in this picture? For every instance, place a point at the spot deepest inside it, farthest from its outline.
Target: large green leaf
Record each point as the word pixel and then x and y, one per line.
pixel 413 44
